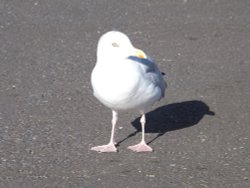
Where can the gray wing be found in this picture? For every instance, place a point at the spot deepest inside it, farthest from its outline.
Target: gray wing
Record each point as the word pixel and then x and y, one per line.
pixel 152 72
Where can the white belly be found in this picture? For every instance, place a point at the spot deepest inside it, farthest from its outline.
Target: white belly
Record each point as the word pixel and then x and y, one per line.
pixel 124 89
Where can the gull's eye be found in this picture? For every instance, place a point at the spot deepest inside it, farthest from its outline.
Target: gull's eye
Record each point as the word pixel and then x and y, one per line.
pixel 114 44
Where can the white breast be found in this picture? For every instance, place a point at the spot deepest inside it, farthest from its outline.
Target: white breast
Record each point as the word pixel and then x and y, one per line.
pixel 122 86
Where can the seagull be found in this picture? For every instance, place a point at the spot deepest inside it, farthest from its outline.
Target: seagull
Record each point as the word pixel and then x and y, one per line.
pixel 125 78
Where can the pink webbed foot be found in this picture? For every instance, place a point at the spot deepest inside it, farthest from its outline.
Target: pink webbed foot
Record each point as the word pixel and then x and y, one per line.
pixel 141 147
pixel 105 148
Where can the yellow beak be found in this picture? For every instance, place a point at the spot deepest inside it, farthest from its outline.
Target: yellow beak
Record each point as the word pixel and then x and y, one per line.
pixel 140 54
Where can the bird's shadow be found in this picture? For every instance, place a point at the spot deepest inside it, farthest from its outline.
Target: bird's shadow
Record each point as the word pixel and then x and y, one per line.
pixel 172 117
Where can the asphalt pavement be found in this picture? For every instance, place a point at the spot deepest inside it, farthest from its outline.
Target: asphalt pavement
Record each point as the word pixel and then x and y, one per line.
pixel 49 118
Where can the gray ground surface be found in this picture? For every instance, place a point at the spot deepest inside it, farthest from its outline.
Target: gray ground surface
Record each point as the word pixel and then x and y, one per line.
pixel 49 119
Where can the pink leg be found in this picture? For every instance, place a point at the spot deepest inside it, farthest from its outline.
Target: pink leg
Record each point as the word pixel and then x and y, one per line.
pixel 110 147
pixel 142 146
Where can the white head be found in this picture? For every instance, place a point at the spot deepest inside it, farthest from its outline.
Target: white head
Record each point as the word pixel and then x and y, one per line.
pixel 115 44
